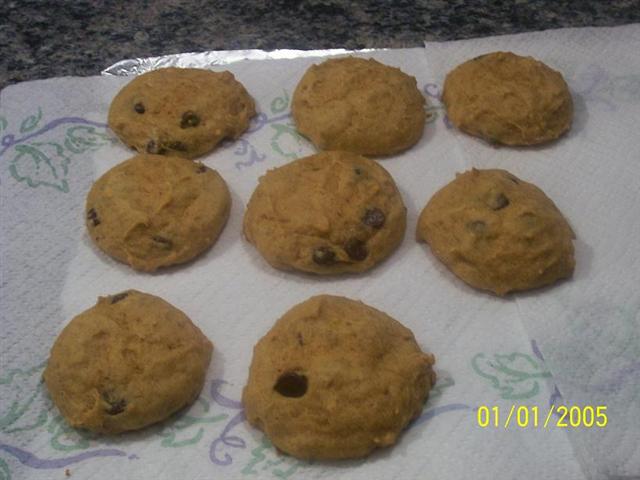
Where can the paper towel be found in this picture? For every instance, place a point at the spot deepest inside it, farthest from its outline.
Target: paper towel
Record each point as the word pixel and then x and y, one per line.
pixel 588 328
pixel 489 350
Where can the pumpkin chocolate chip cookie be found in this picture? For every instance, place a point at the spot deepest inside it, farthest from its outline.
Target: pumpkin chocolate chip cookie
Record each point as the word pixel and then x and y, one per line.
pixel 153 211
pixel 335 378
pixel 333 212
pixel 508 99
pixel 359 105
pixel 130 361
pixel 497 232
pixel 180 111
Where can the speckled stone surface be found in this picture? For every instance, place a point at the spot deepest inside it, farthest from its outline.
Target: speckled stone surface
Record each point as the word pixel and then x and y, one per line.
pixel 50 38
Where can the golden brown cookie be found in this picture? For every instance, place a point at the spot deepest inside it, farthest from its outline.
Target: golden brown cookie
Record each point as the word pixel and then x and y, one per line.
pixel 130 361
pixel 497 232
pixel 508 99
pixel 335 378
pixel 333 212
pixel 180 111
pixel 152 211
pixel 358 105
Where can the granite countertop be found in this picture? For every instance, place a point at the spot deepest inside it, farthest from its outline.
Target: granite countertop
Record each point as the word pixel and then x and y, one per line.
pixel 50 38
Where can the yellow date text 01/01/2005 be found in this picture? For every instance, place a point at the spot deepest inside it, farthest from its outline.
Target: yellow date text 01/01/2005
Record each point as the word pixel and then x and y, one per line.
pixel 523 416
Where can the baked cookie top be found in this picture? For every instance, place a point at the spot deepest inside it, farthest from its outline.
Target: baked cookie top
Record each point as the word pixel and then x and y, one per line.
pixel 335 378
pixel 497 232
pixel 180 111
pixel 358 105
pixel 130 361
pixel 333 212
pixel 153 211
pixel 508 99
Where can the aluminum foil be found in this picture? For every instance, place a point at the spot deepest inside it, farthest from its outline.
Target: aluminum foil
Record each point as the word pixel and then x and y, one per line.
pixel 136 66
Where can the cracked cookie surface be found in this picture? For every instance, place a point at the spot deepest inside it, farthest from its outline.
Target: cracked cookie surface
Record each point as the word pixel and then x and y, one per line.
pixel 333 212
pixel 497 232
pixel 130 361
pixel 185 112
pixel 335 378
pixel 359 105
pixel 508 99
pixel 153 211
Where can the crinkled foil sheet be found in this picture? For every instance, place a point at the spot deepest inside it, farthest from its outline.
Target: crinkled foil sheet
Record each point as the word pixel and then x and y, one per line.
pixel 136 66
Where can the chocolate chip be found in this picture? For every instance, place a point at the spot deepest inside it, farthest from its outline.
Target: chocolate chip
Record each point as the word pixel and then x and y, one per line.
pixel 324 256
pixel 115 405
pixel 162 242
pixel 291 384
pixel 356 249
pixel 93 216
pixel 201 169
pixel 357 171
pixel 118 296
pixel 179 146
pixel 300 341
pixel 189 119
pixel 153 147
pixel 477 226
pixel 498 202
pixel 139 107
pixel 373 217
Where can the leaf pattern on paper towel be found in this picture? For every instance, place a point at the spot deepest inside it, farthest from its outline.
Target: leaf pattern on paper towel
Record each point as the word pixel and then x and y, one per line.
pixel 266 459
pixel 21 409
pixel 177 432
pixel 46 162
pixel 31 122
pixel 286 141
pixel 515 375
pixel 81 138
pixel 5 474
pixel 41 164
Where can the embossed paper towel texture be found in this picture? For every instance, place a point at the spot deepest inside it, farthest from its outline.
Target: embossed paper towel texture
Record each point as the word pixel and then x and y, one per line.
pixel 55 144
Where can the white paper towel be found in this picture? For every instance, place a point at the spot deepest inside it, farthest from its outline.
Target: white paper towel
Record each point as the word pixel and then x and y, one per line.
pixel 588 328
pixel 489 350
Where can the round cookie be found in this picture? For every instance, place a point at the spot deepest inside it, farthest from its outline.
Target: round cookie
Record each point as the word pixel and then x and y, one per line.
pixel 335 378
pixel 130 361
pixel 180 111
pixel 358 105
pixel 333 212
pixel 497 232
pixel 152 211
pixel 508 99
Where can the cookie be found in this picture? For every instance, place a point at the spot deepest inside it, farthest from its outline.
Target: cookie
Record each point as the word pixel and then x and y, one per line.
pixel 497 232
pixel 130 361
pixel 358 105
pixel 153 211
pixel 335 378
pixel 333 212
pixel 180 111
pixel 508 99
